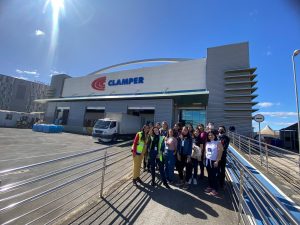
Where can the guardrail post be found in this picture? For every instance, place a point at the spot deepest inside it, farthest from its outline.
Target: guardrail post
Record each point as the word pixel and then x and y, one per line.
pixel 241 194
pixel 240 142
pixel 267 157
pixel 233 137
pixel 249 148
pixel 103 174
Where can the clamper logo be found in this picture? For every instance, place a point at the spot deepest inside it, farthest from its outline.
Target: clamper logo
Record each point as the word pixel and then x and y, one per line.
pixel 99 84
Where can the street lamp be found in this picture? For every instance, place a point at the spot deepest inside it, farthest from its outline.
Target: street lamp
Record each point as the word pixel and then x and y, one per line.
pixel 296 52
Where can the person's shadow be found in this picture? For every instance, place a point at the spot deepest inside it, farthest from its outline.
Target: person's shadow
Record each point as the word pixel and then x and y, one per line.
pixel 183 202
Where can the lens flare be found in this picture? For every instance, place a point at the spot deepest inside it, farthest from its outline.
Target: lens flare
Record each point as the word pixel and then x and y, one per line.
pixel 58 7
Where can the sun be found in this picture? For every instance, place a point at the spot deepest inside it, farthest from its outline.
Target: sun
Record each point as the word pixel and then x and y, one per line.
pixel 57 5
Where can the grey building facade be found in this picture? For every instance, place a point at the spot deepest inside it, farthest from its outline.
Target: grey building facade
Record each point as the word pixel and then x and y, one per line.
pixel 219 88
pixel 19 95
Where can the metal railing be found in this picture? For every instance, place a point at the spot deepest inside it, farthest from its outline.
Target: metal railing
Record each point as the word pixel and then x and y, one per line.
pixel 280 162
pixel 253 201
pixel 51 189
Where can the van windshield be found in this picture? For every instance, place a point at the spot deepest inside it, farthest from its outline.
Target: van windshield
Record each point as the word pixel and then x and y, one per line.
pixel 102 124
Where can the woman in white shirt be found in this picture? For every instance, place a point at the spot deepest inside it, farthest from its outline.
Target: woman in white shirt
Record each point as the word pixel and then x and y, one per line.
pixel 213 154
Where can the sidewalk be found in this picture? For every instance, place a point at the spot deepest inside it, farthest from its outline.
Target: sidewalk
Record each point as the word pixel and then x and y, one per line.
pixel 126 204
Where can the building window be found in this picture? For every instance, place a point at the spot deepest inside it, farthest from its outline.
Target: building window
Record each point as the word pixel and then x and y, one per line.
pixel 8 116
pixel 193 117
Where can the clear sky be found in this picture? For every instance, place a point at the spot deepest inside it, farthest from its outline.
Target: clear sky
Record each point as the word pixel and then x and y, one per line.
pixel 78 37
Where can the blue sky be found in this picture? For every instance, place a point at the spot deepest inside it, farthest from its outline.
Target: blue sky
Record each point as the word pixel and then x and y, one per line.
pixel 93 34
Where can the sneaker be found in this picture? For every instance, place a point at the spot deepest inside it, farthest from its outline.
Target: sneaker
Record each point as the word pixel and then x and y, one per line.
pixel 208 190
pixel 139 180
pixel 190 181
pixel 214 193
pixel 186 185
pixel 180 183
pixel 166 185
pixel 195 181
pixel 134 182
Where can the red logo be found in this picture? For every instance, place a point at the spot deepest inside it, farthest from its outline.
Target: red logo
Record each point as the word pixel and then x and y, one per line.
pixel 99 84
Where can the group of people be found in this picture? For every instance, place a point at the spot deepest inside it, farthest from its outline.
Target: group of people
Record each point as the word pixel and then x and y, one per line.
pixel 184 148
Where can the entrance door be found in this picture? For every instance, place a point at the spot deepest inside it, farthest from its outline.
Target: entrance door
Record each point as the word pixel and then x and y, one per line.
pixel 193 116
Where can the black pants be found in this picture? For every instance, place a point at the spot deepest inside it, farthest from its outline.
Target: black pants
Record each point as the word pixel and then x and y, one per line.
pixel 222 166
pixel 161 166
pixel 201 168
pixel 188 168
pixel 212 174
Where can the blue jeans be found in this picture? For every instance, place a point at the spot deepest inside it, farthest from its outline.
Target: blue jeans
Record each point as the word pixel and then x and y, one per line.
pixel 170 163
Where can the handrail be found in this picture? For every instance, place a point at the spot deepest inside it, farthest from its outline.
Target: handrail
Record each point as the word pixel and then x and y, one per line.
pixel 259 195
pixel 69 187
pixel 277 161
pixel 59 159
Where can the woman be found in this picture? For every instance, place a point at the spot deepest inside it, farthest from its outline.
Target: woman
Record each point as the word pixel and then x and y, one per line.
pixel 196 155
pixel 213 154
pixel 138 150
pixel 156 149
pixel 184 156
pixel 190 129
pixel 203 140
pixel 164 129
pixel 170 152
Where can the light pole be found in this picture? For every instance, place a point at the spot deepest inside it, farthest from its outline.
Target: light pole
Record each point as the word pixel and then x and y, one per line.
pixel 295 53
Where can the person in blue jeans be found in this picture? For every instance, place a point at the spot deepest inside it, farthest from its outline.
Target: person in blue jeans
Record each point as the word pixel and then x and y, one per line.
pixel 170 152
pixel 156 148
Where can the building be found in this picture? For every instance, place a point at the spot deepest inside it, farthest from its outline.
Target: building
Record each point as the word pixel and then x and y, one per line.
pixel 19 95
pixel 289 137
pixel 218 88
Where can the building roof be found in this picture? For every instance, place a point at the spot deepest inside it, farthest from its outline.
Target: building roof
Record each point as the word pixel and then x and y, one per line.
pixel 291 127
pixel 267 131
pixel 200 96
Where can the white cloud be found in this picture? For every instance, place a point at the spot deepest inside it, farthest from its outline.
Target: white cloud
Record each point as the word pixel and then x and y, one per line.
pixel 21 77
pixel 279 114
pixel 267 104
pixel 39 33
pixel 282 124
pixel 35 73
pixel 55 72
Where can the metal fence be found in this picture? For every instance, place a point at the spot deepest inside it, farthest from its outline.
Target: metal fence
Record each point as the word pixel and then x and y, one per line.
pixel 253 201
pixel 282 163
pixel 46 191
pixel 51 189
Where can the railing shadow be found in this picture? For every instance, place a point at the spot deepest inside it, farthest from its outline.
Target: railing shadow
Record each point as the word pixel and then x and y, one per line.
pixel 124 206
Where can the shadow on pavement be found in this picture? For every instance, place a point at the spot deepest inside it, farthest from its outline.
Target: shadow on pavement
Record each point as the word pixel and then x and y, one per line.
pixel 124 205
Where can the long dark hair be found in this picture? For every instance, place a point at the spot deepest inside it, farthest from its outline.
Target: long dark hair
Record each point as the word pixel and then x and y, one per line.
pixel 213 132
pixel 143 132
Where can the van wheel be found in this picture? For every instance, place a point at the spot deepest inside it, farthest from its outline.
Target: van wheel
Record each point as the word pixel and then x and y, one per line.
pixel 114 138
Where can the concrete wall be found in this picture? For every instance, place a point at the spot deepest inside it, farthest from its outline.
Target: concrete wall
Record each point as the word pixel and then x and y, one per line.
pixel 163 110
pixel 220 60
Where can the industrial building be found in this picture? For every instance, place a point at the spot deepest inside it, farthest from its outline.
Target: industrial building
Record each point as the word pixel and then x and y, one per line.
pixel 218 88
pixel 19 95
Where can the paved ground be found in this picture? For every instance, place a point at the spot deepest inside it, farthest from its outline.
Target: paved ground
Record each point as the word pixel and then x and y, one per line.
pixel 148 205
pixel 122 203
